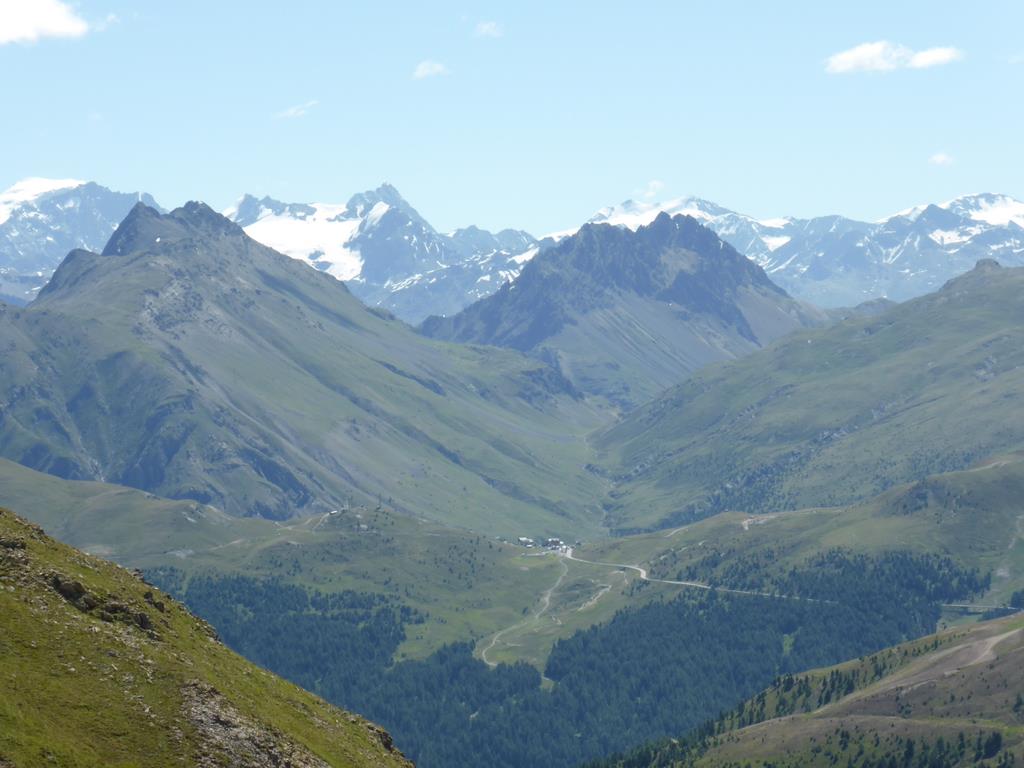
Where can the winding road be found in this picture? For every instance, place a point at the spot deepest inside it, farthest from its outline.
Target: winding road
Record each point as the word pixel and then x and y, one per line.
pixel 542 608
pixel 568 555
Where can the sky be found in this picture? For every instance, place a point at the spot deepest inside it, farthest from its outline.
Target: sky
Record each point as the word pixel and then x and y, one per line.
pixel 528 114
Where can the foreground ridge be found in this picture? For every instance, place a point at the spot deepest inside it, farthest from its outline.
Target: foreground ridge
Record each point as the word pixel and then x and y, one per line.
pixel 133 678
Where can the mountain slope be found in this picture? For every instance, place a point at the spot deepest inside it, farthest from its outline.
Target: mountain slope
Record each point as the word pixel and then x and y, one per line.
pixel 387 253
pixel 625 314
pixel 831 416
pixel 77 632
pixel 834 261
pixel 950 699
pixel 190 361
pixel 42 219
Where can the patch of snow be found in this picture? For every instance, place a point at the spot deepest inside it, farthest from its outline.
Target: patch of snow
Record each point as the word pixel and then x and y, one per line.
pixel 525 256
pixel 378 210
pixel 774 223
pixel 323 236
pixel 775 242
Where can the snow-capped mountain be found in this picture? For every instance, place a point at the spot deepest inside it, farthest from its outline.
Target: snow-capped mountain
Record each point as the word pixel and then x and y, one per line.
pixel 835 261
pixel 387 253
pixel 42 219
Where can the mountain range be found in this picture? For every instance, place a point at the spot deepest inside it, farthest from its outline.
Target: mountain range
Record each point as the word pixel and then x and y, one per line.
pixel 834 261
pixel 188 360
pixel 394 259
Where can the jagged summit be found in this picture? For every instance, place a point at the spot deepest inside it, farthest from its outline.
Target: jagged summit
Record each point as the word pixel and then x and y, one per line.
pixel 624 313
pixel 362 203
pixel 145 227
pixel 388 253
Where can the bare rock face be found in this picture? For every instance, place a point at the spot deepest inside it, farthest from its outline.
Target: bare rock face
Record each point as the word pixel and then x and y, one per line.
pixel 229 738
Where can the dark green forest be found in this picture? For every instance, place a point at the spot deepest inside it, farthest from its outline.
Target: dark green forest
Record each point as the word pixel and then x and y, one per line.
pixel 651 672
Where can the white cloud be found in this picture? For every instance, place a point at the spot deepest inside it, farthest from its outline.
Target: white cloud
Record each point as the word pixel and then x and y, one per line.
pixel 941 158
pixel 883 56
pixel 429 68
pixel 1017 59
pixel 27 21
pixel 935 57
pixel 488 29
pixel 299 110
pixel 652 189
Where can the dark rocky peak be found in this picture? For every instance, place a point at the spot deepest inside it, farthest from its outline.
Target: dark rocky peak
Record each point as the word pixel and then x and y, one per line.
pixel 984 272
pixel 987 265
pixel 144 227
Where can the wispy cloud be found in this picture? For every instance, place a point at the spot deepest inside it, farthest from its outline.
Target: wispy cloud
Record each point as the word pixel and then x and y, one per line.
pixel 883 56
pixel 488 29
pixel 106 22
pixel 27 22
pixel 299 110
pixel 941 158
pixel 652 189
pixel 429 68
pixel 1017 58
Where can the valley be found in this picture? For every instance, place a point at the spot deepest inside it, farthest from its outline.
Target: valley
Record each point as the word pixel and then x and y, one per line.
pixel 352 504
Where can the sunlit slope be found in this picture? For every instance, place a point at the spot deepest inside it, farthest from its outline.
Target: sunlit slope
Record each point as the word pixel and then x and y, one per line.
pixel 832 416
pixel 951 699
pixel 100 669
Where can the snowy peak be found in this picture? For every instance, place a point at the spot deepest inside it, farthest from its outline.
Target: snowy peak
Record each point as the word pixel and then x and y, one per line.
pixel 633 214
pixel 992 209
pixel 988 208
pixel 382 198
pixel 28 192
pixel 391 256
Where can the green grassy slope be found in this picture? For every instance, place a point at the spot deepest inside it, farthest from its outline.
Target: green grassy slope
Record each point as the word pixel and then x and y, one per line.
pixel 192 362
pixel 832 416
pixel 973 516
pixel 955 695
pixel 99 669
pixel 467 585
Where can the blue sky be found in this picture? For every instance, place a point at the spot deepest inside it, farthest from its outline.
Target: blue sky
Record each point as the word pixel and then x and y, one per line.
pixel 525 114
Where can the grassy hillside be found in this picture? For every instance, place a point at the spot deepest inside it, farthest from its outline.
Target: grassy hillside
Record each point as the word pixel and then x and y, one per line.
pixel 191 362
pixel 951 699
pixel 467 586
pixel 832 416
pixel 100 669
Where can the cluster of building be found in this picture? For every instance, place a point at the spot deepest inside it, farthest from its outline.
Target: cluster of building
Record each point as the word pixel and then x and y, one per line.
pixel 550 544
